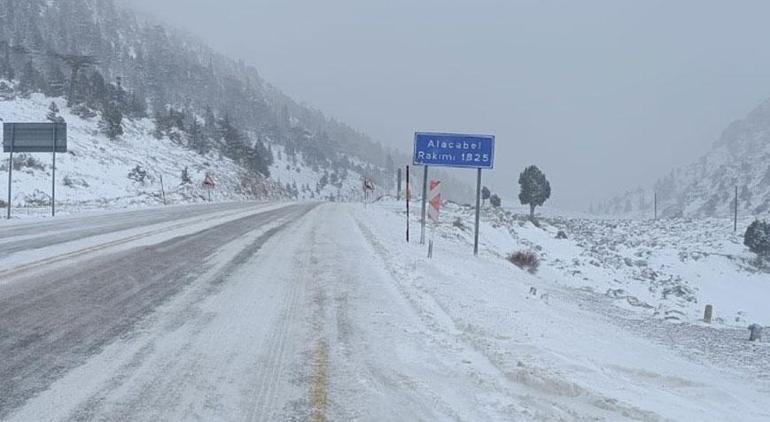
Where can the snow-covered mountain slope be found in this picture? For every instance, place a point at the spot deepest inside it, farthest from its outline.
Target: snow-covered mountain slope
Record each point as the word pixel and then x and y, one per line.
pixel 97 172
pixel 740 158
pixel 125 73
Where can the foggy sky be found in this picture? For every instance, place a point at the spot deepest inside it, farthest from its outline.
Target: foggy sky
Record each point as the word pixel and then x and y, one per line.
pixel 604 96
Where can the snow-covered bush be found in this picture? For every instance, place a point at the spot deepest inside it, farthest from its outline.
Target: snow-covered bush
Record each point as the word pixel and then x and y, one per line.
pixel 83 111
pixel 25 161
pixel 139 174
pixel 757 238
pixel 526 260
pixel 495 201
pixel 186 179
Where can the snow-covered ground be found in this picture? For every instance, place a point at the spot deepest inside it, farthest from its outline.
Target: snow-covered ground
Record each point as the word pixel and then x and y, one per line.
pixel 569 351
pixel 97 174
pixel 670 268
pixel 95 171
pixel 329 314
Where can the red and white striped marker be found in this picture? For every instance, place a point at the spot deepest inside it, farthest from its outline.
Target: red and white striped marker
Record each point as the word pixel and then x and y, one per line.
pixel 434 199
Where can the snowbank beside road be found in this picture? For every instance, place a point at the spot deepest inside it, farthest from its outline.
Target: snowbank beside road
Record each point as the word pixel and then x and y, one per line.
pixel 564 356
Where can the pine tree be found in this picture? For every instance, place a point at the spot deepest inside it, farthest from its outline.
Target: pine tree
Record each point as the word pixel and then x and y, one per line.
pixel 186 177
pixel 234 146
pixel 29 79
pixel 196 139
pixel 495 201
pixel 76 63
pixel 535 189
pixel 210 124
pixel 6 68
pixel 53 114
pixel 757 238
pixel 137 106
pixel 111 123
pixel 485 194
pixel 56 80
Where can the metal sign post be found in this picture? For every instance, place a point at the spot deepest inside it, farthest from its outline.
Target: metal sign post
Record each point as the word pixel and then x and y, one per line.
pixel 408 198
pixel 478 214
pixel 209 184
pixel 455 150
pixel 34 138
pixel 424 203
pixel 10 169
pixel 53 174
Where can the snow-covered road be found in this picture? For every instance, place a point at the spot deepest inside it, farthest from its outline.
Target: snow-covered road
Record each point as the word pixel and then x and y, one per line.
pixel 318 312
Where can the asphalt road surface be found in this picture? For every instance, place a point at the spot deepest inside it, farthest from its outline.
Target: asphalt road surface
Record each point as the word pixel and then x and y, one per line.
pixel 58 318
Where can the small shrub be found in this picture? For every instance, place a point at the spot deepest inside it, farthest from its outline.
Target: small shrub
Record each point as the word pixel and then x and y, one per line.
pixel 139 174
pixel 186 179
pixel 71 182
pixel 757 238
pixel 561 235
pixel 83 111
pixel 23 161
pixel 459 223
pixel 526 260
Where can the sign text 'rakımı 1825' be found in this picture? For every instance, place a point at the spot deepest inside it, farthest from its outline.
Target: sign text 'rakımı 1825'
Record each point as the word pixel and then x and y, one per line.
pixel 454 150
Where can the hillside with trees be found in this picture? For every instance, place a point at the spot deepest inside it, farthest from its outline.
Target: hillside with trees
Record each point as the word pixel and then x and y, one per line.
pixel 113 66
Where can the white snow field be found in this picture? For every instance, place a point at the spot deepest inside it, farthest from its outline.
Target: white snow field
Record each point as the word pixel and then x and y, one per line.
pixel 94 173
pixel 323 312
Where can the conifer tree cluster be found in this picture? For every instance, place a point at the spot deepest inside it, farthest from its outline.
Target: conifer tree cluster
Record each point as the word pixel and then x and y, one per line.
pixel 111 65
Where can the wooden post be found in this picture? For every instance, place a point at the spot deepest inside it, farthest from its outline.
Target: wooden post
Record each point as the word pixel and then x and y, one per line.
pixel 656 205
pixel 162 189
pixel 708 314
pixel 735 220
pixel 398 185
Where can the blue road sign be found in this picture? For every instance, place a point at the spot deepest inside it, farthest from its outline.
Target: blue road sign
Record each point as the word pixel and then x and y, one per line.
pixel 454 150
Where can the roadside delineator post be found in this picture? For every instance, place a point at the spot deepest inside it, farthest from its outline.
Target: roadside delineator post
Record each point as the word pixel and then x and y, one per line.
pixel 398 185
pixel 434 209
pixel 708 314
pixel 162 188
pixel 209 184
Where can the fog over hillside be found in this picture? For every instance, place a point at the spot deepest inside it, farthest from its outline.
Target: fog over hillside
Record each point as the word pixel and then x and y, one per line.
pixel 604 96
